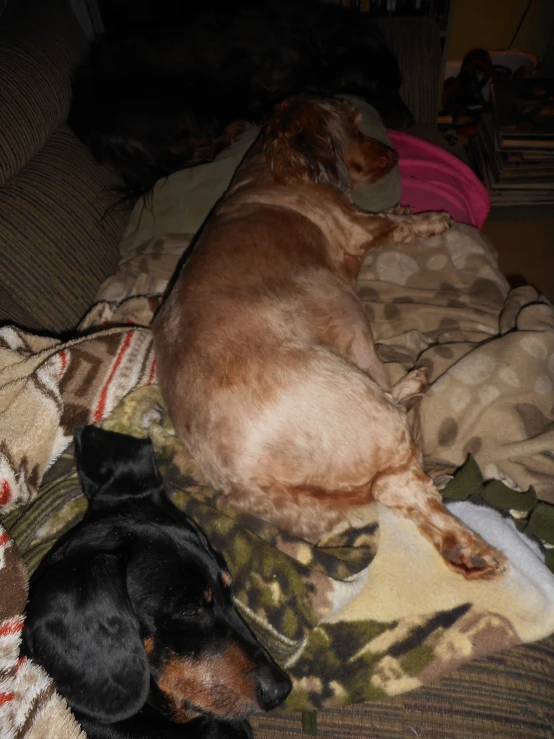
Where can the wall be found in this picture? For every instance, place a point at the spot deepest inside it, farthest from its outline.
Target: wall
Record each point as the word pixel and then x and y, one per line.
pixel 491 24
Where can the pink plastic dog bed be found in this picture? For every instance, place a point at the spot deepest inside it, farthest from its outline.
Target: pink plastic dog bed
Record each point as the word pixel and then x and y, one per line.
pixel 433 179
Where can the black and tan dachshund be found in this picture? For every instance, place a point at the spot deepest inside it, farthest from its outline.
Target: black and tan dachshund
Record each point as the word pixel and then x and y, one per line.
pixel 132 614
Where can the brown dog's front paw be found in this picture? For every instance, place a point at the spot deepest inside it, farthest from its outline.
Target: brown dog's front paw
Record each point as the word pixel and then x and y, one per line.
pixel 475 560
pixel 430 224
pixel 400 210
pixel 439 223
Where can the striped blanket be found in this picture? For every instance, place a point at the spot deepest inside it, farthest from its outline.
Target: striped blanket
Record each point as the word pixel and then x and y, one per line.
pixel 47 388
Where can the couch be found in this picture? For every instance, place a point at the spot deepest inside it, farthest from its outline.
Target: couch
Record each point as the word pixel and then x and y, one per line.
pixel 61 222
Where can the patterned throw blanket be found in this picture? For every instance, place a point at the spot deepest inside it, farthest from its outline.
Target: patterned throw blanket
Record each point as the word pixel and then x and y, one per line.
pixel 370 612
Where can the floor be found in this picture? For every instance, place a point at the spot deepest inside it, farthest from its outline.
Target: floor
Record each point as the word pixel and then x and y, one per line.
pixel 524 239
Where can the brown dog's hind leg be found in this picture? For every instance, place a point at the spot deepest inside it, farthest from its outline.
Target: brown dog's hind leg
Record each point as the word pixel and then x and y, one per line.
pixel 413 495
pixel 411 386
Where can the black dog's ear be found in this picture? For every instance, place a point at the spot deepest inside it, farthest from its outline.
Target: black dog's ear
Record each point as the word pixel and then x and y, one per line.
pixel 80 627
pixel 205 544
pixel 113 467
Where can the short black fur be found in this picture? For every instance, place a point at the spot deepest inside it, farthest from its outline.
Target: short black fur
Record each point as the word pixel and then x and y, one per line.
pixel 133 597
pixel 165 89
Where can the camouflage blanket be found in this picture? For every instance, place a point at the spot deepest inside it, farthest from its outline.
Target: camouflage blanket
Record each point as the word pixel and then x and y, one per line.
pixel 348 619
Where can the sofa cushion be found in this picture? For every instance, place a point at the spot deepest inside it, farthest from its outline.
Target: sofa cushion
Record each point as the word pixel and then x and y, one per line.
pixel 59 235
pixel 40 45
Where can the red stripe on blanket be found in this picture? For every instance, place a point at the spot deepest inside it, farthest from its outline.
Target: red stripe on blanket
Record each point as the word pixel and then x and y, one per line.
pixel 152 375
pixel 63 363
pixel 4 538
pixel 11 627
pixel 5 492
pixel 5 697
pixel 101 407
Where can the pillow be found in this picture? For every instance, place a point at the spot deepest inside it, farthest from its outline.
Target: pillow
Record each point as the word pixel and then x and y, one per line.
pixel 386 193
pixel 181 202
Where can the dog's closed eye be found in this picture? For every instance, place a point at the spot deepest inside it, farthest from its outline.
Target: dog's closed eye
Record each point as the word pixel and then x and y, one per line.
pixel 195 611
pixel 134 607
pixel 201 607
pixel 189 611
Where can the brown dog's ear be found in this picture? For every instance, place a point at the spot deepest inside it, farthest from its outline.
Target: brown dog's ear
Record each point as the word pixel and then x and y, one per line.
pixel 307 140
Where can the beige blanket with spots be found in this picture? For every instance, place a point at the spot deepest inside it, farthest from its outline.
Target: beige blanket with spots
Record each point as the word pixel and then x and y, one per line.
pixel 440 302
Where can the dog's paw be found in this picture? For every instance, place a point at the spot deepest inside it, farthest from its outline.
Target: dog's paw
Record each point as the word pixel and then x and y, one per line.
pixel 400 210
pixel 413 384
pixel 439 223
pixel 475 560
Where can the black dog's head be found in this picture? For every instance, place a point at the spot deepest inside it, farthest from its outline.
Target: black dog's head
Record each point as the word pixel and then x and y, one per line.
pixel 133 608
pixel 174 88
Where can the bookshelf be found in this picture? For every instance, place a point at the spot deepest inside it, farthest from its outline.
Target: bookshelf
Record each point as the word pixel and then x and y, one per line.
pixel 438 9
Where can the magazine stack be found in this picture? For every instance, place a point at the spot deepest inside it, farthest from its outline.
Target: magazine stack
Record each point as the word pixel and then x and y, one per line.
pixel 513 151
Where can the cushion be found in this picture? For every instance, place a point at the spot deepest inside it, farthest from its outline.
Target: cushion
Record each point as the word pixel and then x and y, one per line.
pixel 59 237
pixel 434 179
pixel 39 48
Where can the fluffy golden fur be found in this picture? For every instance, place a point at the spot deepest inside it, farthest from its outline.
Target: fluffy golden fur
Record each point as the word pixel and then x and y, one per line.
pixel 266 358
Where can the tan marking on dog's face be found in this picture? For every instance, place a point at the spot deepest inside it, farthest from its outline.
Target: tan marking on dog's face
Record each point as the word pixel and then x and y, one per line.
pixel 226 579
pixel 148 644
pixel 221 685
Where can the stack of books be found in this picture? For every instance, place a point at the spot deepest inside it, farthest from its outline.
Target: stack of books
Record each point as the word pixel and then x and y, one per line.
pixel 435 8
pixel 513 151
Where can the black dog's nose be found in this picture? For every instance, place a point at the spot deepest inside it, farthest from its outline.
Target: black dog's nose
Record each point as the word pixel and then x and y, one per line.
pixel 273 686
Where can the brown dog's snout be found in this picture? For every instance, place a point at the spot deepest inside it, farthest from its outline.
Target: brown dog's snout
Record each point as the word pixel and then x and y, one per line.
pixel 368 160
pixel 272 686
pixel 387 161
pixel 389 157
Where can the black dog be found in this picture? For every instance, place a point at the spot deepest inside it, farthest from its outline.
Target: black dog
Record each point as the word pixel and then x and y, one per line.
pixel 170 87
pixel 131 613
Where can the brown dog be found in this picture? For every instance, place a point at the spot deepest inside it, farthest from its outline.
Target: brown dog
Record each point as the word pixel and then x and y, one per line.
pixel 265 356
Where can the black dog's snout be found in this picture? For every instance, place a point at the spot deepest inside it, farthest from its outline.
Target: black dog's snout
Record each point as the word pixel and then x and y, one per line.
pixel 273 686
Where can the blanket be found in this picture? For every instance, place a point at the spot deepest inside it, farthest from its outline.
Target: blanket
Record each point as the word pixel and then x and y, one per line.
pixel 348 619
pixel 47 388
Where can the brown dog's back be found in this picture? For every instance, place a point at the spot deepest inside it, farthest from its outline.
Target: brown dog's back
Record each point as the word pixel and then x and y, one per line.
pixel 266 359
